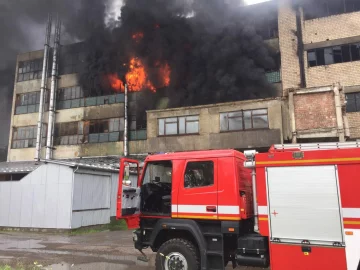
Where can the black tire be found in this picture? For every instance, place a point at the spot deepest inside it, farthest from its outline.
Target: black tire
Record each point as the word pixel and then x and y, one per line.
pixel 184 247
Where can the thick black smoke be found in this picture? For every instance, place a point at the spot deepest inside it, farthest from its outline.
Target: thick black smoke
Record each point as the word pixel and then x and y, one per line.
pixel 213 50
pixel 22 28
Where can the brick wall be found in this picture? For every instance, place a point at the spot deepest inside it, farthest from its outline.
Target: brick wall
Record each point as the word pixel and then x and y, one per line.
pixel 354 124
pixel 290 68
pixel 332 27
pixel 347 74
pixel 315 111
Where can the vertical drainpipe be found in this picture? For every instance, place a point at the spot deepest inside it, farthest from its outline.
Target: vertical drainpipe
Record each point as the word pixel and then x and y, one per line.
pixel 300 46
pixel 339 115
pixel 43 88
pixel 292 116
pixel 54 78
pixel 126 126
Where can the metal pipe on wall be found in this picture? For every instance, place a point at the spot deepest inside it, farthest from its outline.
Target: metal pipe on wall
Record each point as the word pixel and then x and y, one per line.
pixel 43 88
pixel 54 78
pixel 126 126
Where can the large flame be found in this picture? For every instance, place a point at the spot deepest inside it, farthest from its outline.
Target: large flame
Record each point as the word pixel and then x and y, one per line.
pixel 137 77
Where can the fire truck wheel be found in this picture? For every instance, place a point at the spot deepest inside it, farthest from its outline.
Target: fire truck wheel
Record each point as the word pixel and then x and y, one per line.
pixel 177 254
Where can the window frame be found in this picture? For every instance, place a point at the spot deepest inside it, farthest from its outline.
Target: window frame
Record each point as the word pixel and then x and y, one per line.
pixel 30 69
pixel 178 125
pixel 243 120
pixel 199 161
pixel 356 101
pixel 350 51
pixel 27 130
pixel 327 11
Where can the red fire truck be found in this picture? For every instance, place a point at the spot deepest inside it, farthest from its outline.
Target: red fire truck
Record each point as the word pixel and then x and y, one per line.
pixel 296 207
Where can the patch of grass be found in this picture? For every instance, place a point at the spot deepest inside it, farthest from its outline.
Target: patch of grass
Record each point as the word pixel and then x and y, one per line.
pixel 114 225
pixel 6 267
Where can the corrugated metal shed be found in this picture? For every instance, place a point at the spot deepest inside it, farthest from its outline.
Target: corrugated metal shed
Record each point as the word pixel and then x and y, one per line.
pixel 58 194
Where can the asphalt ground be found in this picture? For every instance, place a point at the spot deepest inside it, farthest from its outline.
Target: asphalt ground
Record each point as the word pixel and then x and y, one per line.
pixel 109 250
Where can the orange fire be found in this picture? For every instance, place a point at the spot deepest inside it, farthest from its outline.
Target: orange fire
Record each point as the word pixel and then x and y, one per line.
pixel 165 73
pixel 116 83
pixel 137 78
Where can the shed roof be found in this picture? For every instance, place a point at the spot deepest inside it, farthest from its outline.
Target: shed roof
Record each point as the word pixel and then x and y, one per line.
pixel 19 167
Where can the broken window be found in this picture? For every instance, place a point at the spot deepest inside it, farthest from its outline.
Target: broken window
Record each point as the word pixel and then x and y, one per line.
pixel 199 174
pixel 353 102
pixel 324 8
pixel 109 130
pixel 334 55
pixel 25 137
pixel 69 133
pixel 30 70
pixel 242 120
pixel 178 125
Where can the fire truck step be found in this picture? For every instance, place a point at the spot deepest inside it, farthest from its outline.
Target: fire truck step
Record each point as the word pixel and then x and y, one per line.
pixel 214 253
pixel 213 234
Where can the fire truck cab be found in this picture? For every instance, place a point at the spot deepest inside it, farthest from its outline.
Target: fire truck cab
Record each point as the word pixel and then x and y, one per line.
pixel 295 207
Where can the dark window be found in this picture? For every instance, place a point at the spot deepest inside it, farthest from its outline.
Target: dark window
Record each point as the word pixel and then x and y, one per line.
pixel 333 55
pixel 30 70
pixel 12 177
pixel 109 130
pixel 69 133
pixel 178 125
pixel 72 59
pixel 353 102
pixel 324 8
pixel 199 174
pixel 242 120
pixel 25 137
pixel 352 5
pixel 75 97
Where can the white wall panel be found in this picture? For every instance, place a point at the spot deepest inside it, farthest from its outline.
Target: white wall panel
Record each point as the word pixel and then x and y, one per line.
pixel 64 206
pixel 26 203
pixel 5 194
pixel 91 192
pixel 15 202
pixel 38 212
pixel 51 202
pixel 114 191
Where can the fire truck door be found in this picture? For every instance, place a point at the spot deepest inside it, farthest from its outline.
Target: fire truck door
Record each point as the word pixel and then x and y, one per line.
pixel 305 218
pixel 304 204
pixel 128 194
pixel 197 197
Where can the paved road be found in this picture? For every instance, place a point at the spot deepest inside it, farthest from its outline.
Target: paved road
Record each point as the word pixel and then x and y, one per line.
pixel 104 250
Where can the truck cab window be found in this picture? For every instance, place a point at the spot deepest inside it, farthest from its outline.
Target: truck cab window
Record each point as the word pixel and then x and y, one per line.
pixel 156 188
pixel 199 174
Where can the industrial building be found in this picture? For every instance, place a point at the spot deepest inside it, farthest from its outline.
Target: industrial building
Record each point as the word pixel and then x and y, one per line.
pixel 318 100
pixel 318 82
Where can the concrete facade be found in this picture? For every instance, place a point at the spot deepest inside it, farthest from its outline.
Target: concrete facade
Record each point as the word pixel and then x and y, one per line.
pixel 210 135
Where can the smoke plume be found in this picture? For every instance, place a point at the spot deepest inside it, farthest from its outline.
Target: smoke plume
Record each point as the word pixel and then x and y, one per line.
pixel 22 28
pixel 193 51
pixel 213 52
